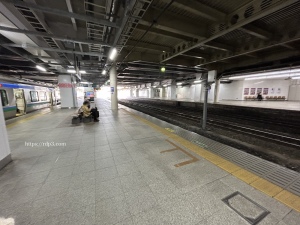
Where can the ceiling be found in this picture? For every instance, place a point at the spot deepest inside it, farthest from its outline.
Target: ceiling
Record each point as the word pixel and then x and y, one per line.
pixel 186 37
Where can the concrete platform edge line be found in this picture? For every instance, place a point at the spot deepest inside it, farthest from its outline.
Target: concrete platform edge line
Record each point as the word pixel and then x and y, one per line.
pixel 268 188
pixel 6 160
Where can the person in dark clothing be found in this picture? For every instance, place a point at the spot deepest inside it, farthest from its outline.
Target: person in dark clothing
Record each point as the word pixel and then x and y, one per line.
pixel 259 97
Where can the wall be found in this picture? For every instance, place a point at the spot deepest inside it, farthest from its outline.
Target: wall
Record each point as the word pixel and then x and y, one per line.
pixel 5 157
pixel 143 93
pixel 275 84
pixel 231 91
pixel 294 90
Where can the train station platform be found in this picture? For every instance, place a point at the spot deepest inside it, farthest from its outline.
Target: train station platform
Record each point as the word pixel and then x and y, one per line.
pixel 132 169
pixel 272 104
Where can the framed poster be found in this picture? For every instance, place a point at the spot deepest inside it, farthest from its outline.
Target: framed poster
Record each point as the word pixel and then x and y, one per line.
pixel 259 90
pixel 266 91
pixel 272 91
pixel 278 90
pixel 246 91
pixel 252 91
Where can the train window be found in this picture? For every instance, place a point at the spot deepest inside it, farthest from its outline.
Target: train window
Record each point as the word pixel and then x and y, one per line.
pixel 4 97
pixel 34 96
pixel 43 96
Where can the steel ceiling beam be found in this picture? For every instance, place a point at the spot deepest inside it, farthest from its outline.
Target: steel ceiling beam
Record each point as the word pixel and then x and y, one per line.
pixel 199 9
pixel 174 23
pixel 257 32
pixel 60 38
pixel 262 45
pixel 234 21
pixel 171 30
pixel 161 48
pixel 69 5
pixel 51 49
pixel 62 13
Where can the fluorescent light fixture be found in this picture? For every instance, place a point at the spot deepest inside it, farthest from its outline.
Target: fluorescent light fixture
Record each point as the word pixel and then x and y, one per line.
pixel 154 86
pixel 82 71
pixel 103 72
pixel 41 68
pixel 266 77
pixel 71 71
pixel 295 78
pixel 179 83
pixel 113 54
pixel 290 72
pixel 197 81
pixel 165 85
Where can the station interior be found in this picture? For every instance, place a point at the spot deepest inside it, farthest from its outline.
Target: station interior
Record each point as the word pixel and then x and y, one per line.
pixel 149 112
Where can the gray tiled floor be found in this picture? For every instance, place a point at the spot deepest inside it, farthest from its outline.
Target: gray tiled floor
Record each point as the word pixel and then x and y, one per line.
pixel 112 172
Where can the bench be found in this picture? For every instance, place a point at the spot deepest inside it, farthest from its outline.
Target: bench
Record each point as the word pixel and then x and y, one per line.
pixel 76 119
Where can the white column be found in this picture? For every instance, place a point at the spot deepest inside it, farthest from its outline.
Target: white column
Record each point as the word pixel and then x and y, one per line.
pixel 151 90
pixel 217 91
pixel 137 93
pixel 67 89
pixel 131 93
pixel 113 87
pixel 173 90
pixel 5 154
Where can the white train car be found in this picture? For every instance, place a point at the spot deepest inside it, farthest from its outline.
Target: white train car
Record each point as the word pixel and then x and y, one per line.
pixel 19 99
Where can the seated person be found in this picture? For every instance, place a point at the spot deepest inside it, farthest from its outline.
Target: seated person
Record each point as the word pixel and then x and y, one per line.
pixel 259 97
pixel 87 111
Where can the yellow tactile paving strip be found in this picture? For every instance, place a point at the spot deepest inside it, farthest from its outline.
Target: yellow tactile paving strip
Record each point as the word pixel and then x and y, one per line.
pixel 25 119
pixel 272 190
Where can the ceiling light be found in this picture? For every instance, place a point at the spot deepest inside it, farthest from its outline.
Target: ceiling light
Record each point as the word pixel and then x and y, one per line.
pixel 82 71
pixel 41 68
pixel 103 72
pixel 197 81
pixel 179 83
pixel 163 69
pixel 165 85
pixel 71 71
pixel 154 86
pixel 113 54
pixel 266 77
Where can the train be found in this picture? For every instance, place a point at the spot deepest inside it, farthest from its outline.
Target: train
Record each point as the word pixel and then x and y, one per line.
pixel 19 99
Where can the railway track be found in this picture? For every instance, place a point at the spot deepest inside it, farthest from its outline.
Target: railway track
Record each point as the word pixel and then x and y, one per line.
pixel 227 125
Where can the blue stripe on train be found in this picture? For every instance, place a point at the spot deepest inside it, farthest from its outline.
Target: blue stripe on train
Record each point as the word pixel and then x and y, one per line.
pixel 7 85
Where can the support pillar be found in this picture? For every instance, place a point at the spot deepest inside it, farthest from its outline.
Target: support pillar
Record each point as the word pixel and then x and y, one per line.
pixel 152 92
pixel 67 88
pixel 204 116
pixel 5 153
pixel 137 93
pixel 131 93
pixel 217 91
pixel 173 90
pixel 113 87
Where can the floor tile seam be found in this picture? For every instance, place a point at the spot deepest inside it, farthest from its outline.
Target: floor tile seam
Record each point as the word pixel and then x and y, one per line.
pixel 177 139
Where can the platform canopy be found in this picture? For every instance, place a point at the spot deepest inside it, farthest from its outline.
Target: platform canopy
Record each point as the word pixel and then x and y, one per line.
pixel 186 37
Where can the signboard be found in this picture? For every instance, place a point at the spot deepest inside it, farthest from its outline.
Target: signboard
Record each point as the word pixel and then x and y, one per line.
pixel 272 91
pixel 278 90
pixel 252 91
pixel 259 90
pixel 66 85
pixel 266 91
pixel 112 89
pixel 246 91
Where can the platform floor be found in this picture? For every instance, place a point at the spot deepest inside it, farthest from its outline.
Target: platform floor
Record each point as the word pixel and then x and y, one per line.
pixel 124 171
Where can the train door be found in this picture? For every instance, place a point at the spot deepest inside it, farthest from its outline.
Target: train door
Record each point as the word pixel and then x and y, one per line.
pixel 20 102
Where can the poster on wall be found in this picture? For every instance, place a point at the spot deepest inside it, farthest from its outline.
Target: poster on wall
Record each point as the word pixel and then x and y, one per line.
pixel 266 91
pixel 278 90
pixel 272 91
pixel 246 91
pixel 259 90
pixel 252 91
